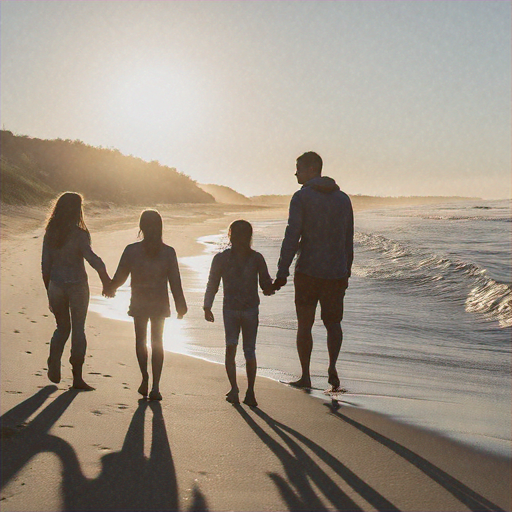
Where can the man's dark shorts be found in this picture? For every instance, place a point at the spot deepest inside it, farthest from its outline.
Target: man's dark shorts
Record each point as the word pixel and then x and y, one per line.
pixel 329 292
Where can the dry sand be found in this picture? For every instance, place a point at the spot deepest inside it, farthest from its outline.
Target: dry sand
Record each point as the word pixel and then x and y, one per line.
pixel 106 450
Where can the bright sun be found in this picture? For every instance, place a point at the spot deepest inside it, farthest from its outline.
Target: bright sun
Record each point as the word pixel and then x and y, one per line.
pixel 154 97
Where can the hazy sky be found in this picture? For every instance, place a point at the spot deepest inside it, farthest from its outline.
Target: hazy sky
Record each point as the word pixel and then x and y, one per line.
pixel 398 97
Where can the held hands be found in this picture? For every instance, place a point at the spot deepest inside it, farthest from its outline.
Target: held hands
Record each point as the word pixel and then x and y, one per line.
pixel 269 291
pixel 208 315
pixel 109 290
pixel 278 283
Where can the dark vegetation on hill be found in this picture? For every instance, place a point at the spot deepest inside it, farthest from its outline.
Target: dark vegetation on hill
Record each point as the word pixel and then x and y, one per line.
pixel 35 170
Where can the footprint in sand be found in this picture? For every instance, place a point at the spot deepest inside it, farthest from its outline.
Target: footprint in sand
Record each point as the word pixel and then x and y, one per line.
pixel 16 331
pixel 38 374
pixel 28 352
pixel 107 376
pixel 14 392
pixel 34 321
pixel 45 316
pixel 66 426
pixel 94 373
pixel 97 413
pixel 122 406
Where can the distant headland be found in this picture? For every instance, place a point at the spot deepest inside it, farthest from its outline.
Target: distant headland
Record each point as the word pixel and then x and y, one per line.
pixel 34 171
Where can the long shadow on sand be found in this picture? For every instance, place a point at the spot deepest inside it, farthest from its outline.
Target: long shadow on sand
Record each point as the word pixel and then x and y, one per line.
pixel 301 470
pixel 128 481
pixel 464 494
pixel 22 441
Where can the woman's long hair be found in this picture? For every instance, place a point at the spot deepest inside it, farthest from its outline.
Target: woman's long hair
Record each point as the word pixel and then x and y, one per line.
pixel 240 236
pixel 66 215
pixel 151 225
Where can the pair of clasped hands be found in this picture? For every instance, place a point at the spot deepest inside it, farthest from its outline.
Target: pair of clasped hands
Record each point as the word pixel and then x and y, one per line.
pixel 109 290
pixel 276 285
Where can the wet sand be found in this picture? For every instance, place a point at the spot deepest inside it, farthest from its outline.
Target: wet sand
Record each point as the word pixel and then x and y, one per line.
pixel 106 450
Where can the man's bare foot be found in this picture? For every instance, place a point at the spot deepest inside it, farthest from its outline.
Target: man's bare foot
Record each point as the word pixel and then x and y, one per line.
pixel 143 388
pixel 232 396
pixel 301 383
pixel 334 380
pixel 54 371
pixel 250 399
pixel 155 395
pixel 82 385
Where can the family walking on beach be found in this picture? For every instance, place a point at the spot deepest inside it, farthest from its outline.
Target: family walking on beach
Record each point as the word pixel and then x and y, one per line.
pixel 320 231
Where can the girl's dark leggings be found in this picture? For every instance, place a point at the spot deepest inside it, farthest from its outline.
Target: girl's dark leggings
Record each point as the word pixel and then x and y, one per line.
pixel 69 303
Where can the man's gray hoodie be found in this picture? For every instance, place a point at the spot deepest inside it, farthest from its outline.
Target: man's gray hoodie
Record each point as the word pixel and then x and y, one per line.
pixel 321 230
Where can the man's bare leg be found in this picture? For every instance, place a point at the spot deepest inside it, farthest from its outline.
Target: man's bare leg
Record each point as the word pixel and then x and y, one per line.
pixel 141 349
pixel 232 395
pixel 334 340
pixel 305 319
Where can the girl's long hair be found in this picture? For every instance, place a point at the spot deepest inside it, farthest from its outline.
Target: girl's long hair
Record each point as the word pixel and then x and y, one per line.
pixel 66 215
pixel 240 236
pixel 151 225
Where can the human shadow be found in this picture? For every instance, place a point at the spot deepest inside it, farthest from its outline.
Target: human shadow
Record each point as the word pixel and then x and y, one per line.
pixel 21 441
pixel 128 480
pixel 302 470
pixel 471 499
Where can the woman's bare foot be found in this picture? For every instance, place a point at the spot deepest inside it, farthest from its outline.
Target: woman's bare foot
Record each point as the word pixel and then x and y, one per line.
pixel 301 383
pixel 155 395
pixel 82 385
pixel 232 396
pixel 143 388
pixel 250 399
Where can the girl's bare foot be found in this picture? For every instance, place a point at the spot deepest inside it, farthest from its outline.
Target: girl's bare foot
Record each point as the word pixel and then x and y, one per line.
pixel 82 385
pixel 250 399
pixel 54 371
pixel 143 388
pixel 301 383
pixel 232 396
pixel 155 395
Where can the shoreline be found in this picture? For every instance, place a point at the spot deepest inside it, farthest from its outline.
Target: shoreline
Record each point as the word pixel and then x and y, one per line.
pixel 63 450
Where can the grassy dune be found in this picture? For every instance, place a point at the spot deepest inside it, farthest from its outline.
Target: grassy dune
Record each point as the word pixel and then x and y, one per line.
pixel 34 170
pixel 21 186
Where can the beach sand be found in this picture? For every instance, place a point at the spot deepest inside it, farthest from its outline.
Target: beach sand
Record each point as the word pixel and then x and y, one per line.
pixel 106 450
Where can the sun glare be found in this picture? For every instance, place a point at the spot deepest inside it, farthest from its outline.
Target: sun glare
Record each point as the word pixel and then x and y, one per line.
pixel 154 97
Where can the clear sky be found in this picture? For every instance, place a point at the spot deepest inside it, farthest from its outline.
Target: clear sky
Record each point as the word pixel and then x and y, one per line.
pixel 398 97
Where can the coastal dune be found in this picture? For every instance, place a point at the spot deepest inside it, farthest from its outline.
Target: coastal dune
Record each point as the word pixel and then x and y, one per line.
pixel 108 450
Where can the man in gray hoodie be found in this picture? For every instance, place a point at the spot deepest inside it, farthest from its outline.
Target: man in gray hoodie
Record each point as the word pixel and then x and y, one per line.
pixel 321 231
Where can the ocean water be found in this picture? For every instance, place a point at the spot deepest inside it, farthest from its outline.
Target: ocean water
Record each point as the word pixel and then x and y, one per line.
pixel 427 326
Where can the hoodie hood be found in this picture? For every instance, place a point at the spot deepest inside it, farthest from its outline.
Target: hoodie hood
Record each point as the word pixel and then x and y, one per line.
pixel 323 184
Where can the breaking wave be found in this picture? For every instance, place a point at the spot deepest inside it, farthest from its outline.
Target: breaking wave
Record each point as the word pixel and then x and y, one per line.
pixel 456 279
